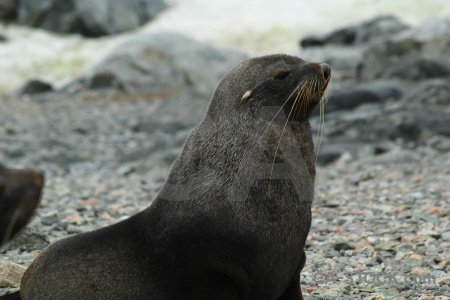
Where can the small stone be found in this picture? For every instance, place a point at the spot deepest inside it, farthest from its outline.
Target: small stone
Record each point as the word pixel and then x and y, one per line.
pixel 366 252
pixel 343 246
pixel 15 152
pixel 444 281
pixel 10 274
pixel 434 211
pixel 405 247
pixel 387 246
pixel 445 236
pixel 432 233
pixel 367 290
pixel 415 256
pixel 50 218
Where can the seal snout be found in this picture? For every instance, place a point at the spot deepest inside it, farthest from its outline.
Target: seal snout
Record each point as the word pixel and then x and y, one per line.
pixel 326 71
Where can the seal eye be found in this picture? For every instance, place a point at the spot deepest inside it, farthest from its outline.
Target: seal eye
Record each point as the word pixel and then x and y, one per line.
pixel 282 75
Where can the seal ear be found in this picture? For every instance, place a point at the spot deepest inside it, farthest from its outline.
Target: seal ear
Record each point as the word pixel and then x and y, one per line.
pixel 246 96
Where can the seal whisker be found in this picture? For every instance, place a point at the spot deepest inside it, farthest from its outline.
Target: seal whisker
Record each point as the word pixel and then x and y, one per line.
pixel 323 102
pixel 270 123
pixel 279 140
pixel 302 93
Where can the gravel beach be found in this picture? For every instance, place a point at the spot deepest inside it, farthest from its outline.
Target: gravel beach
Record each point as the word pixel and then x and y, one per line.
pixel 388 213
pixel 381 216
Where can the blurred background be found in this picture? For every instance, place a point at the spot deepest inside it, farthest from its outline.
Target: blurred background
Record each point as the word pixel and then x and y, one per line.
pixel 102 94
pixel 254 26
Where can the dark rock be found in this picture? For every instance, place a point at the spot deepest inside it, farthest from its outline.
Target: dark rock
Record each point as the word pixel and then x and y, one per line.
pixel 10 293
pixel 14 152
pixel 326 157
pixel 379 28
pixel 365 32
pixel 8 10
pixel 418 53
pixel 160 65
pixel 419 68
pixel 34 87
pixel 343 246
pixel 405 130
pixel 89 18
pixel 342 36
pixel 373 92
pixel 430 92
pixel 3 38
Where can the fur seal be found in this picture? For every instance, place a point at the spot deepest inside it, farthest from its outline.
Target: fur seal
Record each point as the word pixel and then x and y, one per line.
pixel 20 192
pixel 232 218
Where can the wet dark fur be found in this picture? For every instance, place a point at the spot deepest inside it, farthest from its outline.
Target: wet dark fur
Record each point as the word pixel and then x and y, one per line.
pixel 232 218
pixel 20 192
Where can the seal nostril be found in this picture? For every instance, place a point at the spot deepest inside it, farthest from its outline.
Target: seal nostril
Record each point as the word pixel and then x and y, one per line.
pixel 326 69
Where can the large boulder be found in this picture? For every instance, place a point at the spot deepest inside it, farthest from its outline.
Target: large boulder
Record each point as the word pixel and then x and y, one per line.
pixel 374 29
pixel 359 94
pixel 177 73
pixel 415 54
pixel 344 48
pixel 160 65
pixel 86 17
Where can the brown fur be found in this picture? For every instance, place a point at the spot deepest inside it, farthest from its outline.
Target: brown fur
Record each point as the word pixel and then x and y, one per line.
pixel 20 192
pixel 232 218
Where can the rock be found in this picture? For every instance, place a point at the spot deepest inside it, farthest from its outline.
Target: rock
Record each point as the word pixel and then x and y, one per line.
pixel 13 293
pixel 345 61
pixel 343 246
pixel 379 28
pixel 446 236
pixel 444 281
pixel 28 240
pixel 419 67
pixel 373 92
pixel 417 53
pixel 34 87
pixel 50 218
pixel 160 65
pixel 430 92
pixel 344 36
pixel 388 246
pixel 88 18
pixel 397 156
pixel 10 274
pixel 326 157
pixel 365 32
pixel 331 151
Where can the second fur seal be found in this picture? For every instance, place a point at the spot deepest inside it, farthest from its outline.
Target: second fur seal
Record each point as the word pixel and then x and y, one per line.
pixel 232 218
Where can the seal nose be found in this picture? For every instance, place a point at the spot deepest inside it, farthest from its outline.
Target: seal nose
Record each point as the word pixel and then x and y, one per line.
pixel 326 71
